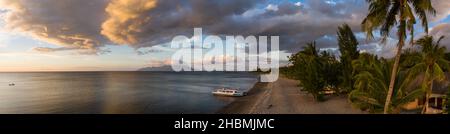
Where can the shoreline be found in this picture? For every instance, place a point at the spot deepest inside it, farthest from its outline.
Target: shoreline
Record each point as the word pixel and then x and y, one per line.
pixel 284 97
pixel 242 104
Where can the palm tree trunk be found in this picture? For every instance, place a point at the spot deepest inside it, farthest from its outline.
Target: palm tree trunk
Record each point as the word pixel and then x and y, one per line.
pixel 427 99
pixel 393 76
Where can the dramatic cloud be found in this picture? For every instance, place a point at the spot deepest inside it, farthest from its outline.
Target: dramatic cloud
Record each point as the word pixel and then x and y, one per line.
pixel 71 24
pixel 295 23
pixel 174 17
pixel 87 26
pixel 127 19
pixel 143 23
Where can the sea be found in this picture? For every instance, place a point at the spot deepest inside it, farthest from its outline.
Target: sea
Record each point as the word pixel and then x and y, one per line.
pixel 117 92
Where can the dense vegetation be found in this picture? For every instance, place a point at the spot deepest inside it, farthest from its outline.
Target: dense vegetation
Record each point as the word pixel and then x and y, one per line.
pixel 403 14
pixel 372 83
pixel 366 77
pixel 431 62
pixel 348 47
pixel 312 68
pixel 447 56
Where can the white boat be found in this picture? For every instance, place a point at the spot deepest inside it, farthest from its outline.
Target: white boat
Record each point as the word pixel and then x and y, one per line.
pixel 229 92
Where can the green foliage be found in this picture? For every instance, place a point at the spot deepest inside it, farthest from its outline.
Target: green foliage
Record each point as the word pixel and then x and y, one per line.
pixel 348 47
pixel 331 69
pixel 314 70
pixel 373 76
pixel 447 56
pixel 384 15
pixel 288 72
pixel 310 70
pixel 371 85
pixel 409 58
pixel 430 60
pixel 387 14
pixel 431 63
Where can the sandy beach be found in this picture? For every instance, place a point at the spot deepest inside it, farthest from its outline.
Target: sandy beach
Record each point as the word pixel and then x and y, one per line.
pixel 285 97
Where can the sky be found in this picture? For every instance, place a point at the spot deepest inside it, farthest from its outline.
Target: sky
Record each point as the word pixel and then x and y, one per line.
pixel 125 35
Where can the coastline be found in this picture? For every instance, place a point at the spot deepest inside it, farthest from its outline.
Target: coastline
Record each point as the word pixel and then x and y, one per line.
pixel 284 97
pixel 243 104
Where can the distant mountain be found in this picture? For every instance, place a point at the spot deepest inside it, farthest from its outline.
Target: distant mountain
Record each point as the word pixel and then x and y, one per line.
pixel 162 68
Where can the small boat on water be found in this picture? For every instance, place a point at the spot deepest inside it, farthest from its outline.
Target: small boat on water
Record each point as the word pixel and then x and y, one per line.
pixel 229 92
pixel 12 84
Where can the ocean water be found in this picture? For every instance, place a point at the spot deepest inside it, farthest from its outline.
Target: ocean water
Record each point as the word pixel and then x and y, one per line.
pixel 117 92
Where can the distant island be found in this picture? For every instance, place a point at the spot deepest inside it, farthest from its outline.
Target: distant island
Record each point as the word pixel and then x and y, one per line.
pixel 168 68
pixel 161 68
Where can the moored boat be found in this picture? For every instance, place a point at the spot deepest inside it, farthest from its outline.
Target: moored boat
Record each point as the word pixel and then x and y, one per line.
pixel 229 92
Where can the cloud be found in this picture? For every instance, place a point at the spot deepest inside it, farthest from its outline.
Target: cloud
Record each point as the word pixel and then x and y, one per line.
pixel 170 18
pixel 89 25
pixel 73 25
pixel 78 51
pixel 442 9
pixel 86 26
pixel 127 19
pixel 442 29
pixel 272 7
pixel 295 25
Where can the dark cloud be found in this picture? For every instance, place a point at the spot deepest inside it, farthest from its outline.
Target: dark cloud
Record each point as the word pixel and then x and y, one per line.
pixel 295 24
pixel 72 24
pixel 87 25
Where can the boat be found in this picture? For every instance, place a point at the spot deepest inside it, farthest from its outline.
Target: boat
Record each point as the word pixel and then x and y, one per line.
pixel 229 92
pixel 12 84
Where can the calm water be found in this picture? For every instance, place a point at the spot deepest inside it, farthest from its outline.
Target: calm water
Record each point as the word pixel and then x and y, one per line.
pixel 117 92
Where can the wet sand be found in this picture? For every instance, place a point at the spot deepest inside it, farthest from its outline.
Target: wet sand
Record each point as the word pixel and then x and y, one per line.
pixel 285 97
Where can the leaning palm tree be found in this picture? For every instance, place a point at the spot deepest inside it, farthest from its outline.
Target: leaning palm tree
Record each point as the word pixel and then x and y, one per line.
pixel 385 14
pixel 432 62
pixel 348 46
pixel 371 86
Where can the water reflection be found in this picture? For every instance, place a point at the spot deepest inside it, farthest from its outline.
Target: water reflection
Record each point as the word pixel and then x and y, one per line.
pixel 116 92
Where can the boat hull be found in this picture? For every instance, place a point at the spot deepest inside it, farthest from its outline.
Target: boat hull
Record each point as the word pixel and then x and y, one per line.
pixel 228 94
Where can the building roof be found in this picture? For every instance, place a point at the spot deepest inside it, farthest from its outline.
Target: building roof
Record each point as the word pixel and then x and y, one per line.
pixel 443 86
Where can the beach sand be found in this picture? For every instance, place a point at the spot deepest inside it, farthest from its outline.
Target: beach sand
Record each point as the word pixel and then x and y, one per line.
pixel 285 97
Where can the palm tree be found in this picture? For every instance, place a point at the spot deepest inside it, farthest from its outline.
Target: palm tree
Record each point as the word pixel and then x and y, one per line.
pixel 308 66
pixel 331 70
pixel 385 14
pixel 311 76
pixel 447 56
pixel 432 62
pixel 348 46
pixel 371 86
pixel 298 59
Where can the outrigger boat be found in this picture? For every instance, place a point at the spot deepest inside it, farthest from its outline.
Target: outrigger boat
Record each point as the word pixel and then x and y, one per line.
pixel 229 92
